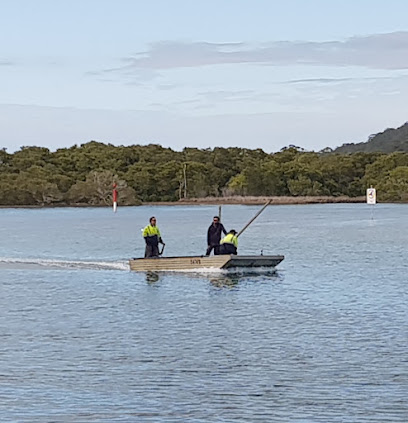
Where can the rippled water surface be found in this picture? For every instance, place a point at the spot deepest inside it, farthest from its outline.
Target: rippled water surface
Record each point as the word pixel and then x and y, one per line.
pixel 324 339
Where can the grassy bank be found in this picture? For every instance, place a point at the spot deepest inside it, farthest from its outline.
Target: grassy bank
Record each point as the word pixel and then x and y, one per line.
pixel 218 201
pixel 262 200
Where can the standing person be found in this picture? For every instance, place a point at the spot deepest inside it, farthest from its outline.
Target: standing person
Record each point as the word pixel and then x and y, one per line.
pixel 229 244
pixel 214 235
pixel 152 237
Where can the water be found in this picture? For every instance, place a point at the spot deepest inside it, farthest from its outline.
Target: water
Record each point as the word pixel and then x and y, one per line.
pixel 324 339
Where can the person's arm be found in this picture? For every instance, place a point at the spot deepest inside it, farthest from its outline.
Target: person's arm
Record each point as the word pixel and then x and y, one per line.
pixel 208 236
pixel 223 229
pixel 159 236
pixel 145 233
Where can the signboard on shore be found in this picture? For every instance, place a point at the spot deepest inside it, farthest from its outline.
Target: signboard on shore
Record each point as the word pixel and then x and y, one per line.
pixel 371 196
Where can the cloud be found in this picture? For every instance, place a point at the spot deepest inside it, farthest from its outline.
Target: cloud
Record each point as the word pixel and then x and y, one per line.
pixel 167 87
pixel 7 63
pixel 132 74
pixel 223 95
pixel 377 51
pixel 320 80
pixel 324 81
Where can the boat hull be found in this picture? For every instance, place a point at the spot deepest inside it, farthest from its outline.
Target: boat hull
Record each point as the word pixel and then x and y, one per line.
pixel 226 261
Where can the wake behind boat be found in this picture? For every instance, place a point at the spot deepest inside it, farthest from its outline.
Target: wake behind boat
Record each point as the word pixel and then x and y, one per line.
pixel 227 261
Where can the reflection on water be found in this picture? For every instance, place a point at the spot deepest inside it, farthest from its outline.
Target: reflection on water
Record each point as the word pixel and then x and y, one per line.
pixel 152 277
pixel 225 281
pixel 222 279
pixel 234 278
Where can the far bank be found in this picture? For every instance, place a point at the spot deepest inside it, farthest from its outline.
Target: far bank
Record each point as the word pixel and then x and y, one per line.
pixel 249 200
pixel 252 200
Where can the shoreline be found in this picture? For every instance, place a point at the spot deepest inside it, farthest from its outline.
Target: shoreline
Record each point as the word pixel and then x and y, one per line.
pixel 238 200
pixel 248 201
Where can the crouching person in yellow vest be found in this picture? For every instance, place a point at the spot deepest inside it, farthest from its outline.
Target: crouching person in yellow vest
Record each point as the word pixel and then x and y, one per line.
pixel 229 244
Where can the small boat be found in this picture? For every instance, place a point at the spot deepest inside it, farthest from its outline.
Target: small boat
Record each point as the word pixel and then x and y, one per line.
pixel 225 261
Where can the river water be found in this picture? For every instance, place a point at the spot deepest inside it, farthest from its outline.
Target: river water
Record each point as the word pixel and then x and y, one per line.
pixel 324 339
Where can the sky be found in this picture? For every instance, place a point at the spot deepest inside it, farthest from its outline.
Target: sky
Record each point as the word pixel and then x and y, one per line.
pixel 201 73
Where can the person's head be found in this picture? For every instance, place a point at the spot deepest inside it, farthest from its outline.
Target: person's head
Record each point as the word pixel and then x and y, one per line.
pixel 233 232
pixel 216 220
pixel 153 221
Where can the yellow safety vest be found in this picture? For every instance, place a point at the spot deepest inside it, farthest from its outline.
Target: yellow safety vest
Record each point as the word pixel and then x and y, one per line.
pixel 150 230
pixel 230 239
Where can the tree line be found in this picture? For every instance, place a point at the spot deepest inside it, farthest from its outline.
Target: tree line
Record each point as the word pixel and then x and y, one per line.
pixel 83 175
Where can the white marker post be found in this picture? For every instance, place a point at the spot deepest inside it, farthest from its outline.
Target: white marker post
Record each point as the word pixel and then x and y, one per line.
pixel 371 198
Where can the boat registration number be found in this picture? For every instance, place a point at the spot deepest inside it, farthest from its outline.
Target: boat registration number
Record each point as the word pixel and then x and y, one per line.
pixel 195 261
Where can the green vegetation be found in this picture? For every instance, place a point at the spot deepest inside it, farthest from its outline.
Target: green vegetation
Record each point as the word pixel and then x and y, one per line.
pixel 84 174
pixel 389 141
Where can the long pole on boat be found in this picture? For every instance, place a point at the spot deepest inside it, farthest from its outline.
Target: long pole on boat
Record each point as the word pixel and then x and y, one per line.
pixel 260 211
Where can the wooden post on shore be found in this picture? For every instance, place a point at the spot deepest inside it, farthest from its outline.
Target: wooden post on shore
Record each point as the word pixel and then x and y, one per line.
pixel 185 179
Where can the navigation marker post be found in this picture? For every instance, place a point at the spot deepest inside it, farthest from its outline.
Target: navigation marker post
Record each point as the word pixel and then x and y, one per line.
pixel 115 197
pixel 371 198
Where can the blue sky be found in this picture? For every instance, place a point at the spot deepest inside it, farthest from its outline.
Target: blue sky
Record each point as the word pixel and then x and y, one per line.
pixel 256 74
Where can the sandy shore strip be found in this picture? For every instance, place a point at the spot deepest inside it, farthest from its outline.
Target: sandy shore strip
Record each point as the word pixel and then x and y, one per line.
pixel 260 200
pixel 214 201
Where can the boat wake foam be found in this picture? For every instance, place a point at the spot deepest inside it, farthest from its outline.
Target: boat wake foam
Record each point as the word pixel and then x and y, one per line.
pixel 32 263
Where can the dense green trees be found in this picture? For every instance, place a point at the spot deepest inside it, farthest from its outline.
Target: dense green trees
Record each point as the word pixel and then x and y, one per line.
pixel 84 174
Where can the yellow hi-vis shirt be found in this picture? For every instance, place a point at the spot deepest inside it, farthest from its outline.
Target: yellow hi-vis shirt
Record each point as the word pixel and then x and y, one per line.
pixel 230 239
pixel 150 230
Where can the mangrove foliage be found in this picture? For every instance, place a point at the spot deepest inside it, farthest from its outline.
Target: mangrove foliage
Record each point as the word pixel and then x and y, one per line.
pixel 84 174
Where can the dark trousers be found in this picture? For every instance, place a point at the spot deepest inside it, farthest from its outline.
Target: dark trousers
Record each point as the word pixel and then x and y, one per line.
pixel 212 247
pixel 151 251
pixel 228 249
